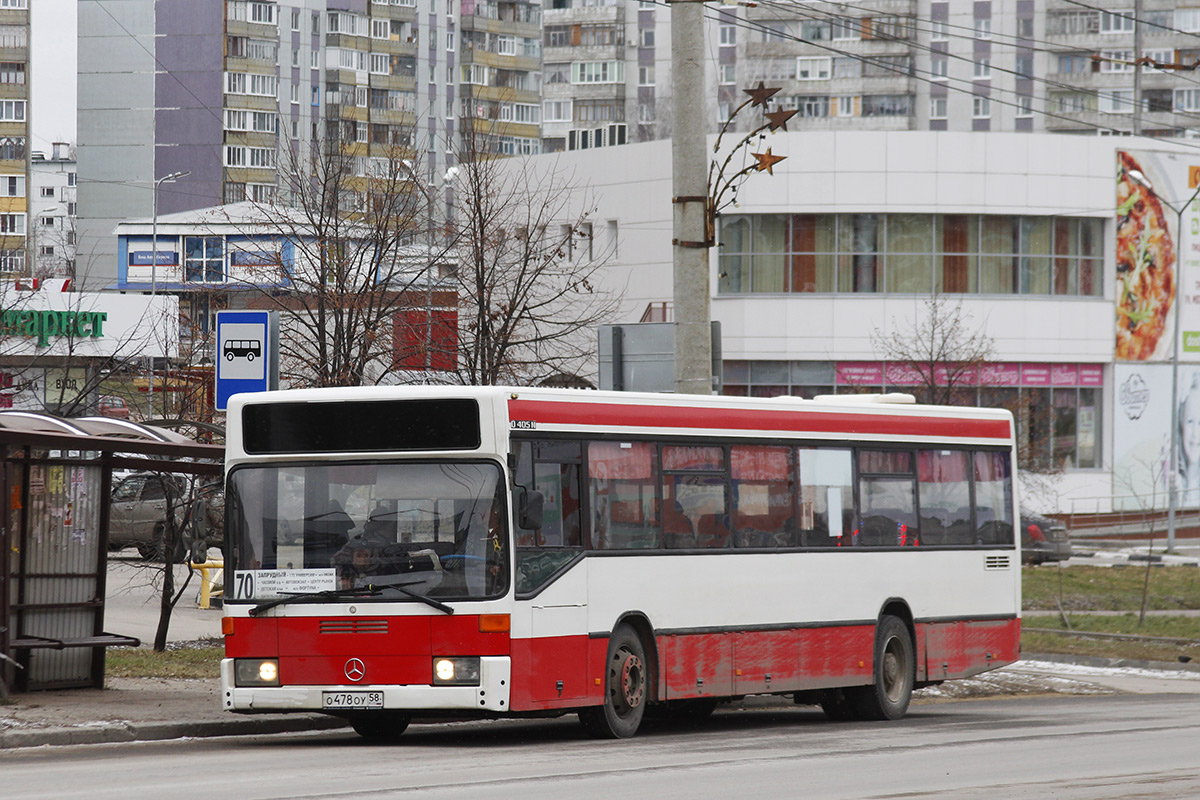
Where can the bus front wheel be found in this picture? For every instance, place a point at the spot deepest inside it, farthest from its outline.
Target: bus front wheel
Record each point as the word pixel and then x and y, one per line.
pixel 625 688
pixel 891 690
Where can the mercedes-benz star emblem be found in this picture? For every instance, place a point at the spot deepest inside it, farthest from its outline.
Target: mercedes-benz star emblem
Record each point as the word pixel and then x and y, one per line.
pixel 355 669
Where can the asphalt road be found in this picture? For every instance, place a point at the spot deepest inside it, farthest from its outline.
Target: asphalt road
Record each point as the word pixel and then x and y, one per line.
pixel 1071 748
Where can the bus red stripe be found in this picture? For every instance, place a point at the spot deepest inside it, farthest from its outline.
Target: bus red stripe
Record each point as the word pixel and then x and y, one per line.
pixel 637 416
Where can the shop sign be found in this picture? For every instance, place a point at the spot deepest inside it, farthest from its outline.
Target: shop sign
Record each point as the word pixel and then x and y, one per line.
pixel 46 325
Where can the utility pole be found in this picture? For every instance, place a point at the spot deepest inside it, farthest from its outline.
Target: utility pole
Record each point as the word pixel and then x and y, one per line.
pixel 1137 67
pixel 689 190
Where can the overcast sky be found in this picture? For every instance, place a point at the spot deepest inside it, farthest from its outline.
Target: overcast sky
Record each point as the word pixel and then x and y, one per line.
pixel 53 55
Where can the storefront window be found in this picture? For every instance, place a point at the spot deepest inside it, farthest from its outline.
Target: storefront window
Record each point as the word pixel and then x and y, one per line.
pixel 911 254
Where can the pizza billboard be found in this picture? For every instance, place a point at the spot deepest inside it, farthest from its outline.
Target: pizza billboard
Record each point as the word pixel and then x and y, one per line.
pixel 1158 265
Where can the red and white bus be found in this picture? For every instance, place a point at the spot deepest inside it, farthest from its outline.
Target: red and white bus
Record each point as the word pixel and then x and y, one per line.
pixel 479 551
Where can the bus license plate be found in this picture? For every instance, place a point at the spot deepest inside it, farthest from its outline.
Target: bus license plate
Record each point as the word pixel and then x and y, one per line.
pixel 343 700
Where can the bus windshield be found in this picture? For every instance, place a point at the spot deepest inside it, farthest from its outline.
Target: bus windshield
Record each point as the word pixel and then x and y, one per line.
pixel 432 528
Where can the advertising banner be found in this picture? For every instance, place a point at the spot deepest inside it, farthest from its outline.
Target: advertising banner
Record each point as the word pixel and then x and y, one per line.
pixel 1158 264
pixel 1142 436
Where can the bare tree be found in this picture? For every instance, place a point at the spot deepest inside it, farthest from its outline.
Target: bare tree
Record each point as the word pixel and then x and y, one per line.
pixel 352 221
pixel 940 346
pixel 528 270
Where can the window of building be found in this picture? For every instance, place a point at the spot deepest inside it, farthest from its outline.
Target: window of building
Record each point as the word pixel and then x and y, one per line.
pixel 556 111
pixel 646 37
pixel 981 107
pixel 47 191
pixel 1115 101
pixel 815 30
pixel 12 224
pixel 1116 21
pixel 12 72
pixel 203 258
pixel 846 29
pixel 886 105
pixel 983 69
pixel 939 31
pixel 1188 19
pixel 598 72
pixel 727 73
pixel 983 28
pixel 728 35
pixel 12 110
pixel 13 36
pixel 810 68
pixel 646 75
pixel 952 253
pixel 1024 106
pixel 937 108
pixel 1024 65
pixel 1116 61
pixel 937 68
pixel 845 106
pixel 812 106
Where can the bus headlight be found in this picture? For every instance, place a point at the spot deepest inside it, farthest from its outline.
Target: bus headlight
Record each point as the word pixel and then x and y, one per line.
pixel 460 671
pixel 256 672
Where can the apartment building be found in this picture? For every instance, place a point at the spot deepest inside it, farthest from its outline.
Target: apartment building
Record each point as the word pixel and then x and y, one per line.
pixel 14 137
pixel 52 212
pixel 1092 78
pixel 230 97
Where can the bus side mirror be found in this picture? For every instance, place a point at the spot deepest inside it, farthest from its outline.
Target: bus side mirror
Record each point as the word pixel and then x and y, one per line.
pixel 529 509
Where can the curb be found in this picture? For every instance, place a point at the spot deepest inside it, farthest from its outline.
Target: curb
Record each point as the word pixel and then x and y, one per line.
pixel 124 732
pixel 1116 663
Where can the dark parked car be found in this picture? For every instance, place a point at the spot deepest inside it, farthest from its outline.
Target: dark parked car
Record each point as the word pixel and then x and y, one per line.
pixel 1043 539
pixel 138 514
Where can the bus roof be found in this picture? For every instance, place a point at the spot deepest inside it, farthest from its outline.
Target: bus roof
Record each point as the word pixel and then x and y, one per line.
pixel 530 411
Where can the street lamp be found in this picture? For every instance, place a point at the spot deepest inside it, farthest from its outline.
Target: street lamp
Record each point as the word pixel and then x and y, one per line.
pixel 154 228
pixel 154 268
pixel 1173 455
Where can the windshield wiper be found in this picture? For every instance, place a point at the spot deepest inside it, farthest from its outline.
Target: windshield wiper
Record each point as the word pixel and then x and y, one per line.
pixel 288 597
pixel 429 601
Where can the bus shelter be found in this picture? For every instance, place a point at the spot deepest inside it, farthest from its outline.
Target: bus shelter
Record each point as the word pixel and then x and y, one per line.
pixel 55 489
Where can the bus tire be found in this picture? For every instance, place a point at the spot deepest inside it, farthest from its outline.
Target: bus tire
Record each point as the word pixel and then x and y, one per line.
pixel 894 674
pixel 625 688
pixel 380 726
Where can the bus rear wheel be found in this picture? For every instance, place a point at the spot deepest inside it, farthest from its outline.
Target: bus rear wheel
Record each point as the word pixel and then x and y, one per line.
pixel 891 690
pixel 625 685
pixel 380 726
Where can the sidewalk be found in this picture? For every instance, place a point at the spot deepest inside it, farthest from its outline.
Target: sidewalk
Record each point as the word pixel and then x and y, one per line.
pixel 137 709
pixel 149 709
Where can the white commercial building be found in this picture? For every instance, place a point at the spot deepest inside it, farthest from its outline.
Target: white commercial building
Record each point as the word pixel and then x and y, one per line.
pixel 848 239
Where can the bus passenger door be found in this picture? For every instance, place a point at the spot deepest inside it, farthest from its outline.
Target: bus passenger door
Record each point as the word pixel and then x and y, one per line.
pixel 549 576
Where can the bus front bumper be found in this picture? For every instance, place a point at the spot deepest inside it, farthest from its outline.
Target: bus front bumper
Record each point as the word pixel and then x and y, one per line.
pixel 491 695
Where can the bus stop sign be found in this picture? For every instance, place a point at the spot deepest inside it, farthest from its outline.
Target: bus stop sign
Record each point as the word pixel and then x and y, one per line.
pixel 247 353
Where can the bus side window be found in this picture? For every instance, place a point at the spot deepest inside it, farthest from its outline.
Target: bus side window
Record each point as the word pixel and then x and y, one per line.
pixel 944 485
pixel 826 501
pixel 764 513
pixel 622 494
pixel 887 499
pixel 993 499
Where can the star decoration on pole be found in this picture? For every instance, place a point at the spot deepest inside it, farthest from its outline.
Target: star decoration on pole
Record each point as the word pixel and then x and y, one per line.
pixel 760 94
pixel 767 161
pixel 778 118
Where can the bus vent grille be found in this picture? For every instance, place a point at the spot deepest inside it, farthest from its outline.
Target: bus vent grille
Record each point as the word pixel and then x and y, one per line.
pixel 996 562
pixel 354 626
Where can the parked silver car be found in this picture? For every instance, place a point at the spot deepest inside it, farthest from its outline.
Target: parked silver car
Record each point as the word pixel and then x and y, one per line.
pixel 138 514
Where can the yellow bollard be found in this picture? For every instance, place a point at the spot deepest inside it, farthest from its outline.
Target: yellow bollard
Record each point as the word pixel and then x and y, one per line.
pixel 206 580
